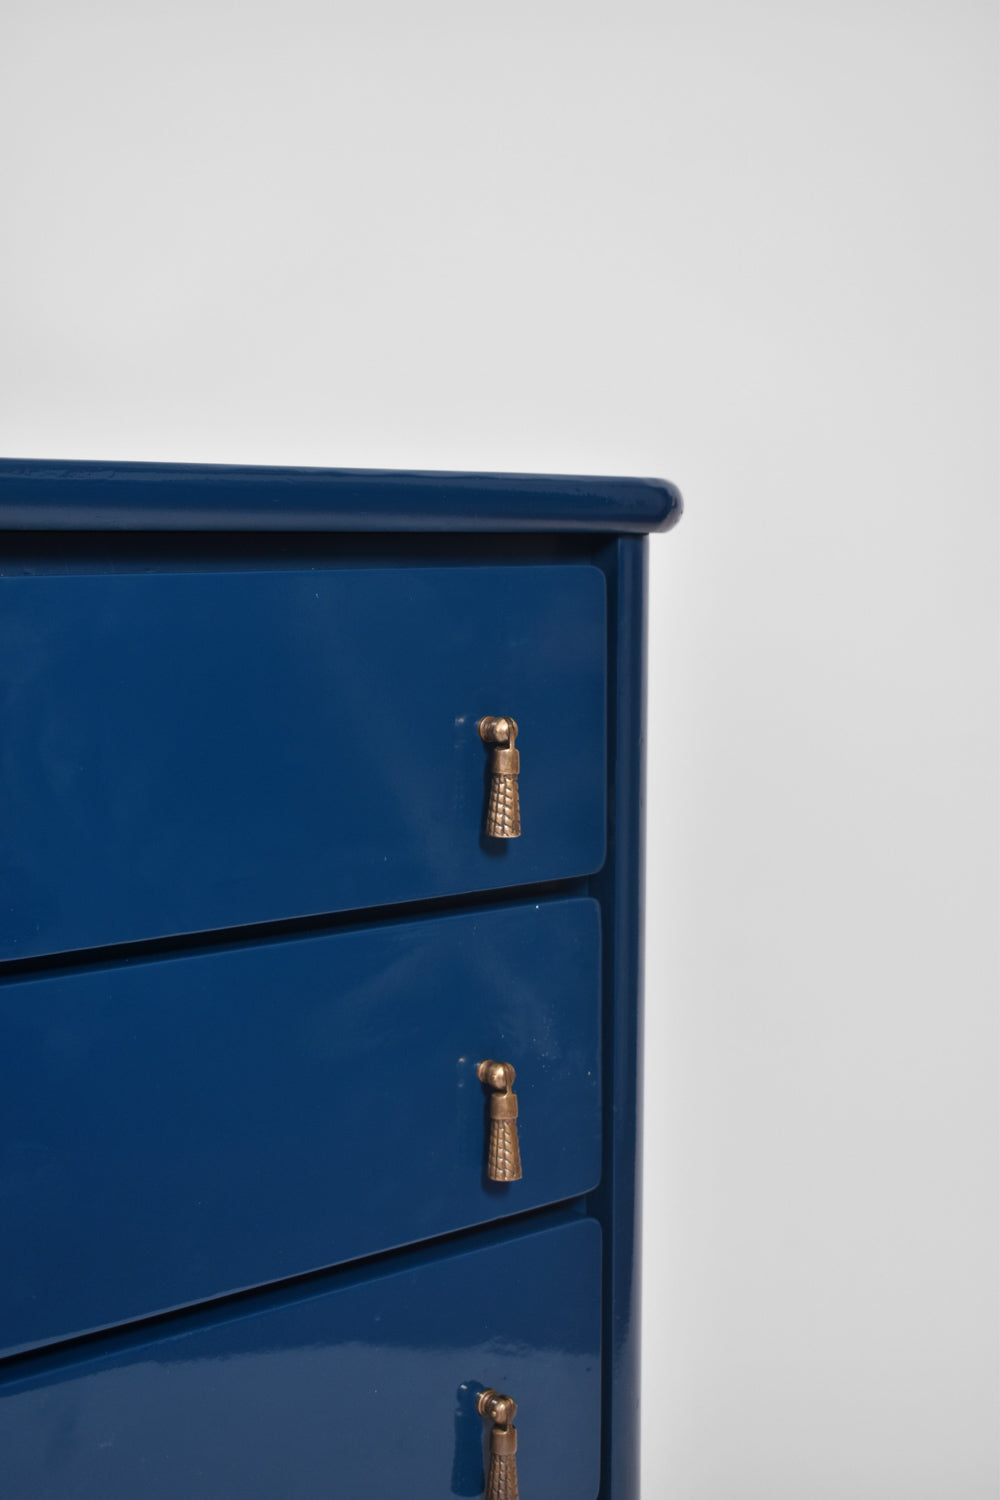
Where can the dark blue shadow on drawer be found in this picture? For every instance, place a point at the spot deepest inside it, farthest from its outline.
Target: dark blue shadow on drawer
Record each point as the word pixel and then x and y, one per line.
pixel 182 1128
pixel 197 751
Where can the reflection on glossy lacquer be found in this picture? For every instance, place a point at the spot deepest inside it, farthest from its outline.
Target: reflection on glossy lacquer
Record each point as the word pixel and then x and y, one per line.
pixel 467 1472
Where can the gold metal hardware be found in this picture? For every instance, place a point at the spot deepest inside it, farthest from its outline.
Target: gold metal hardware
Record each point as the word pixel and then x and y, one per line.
pixel 501 1482
pixel 503 811
pixel 504 1159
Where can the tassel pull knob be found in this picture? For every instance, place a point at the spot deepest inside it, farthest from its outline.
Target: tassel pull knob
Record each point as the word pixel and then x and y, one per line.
pixel 503 810
pixel 501 1481
pixel 504 1159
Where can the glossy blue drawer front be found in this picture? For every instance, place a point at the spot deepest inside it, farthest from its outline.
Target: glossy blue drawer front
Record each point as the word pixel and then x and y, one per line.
pixel 189 751
pixel 182 1128
pixel 365 1391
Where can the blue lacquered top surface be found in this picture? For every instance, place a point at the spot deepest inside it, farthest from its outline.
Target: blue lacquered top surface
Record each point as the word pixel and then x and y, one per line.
pixel 89 495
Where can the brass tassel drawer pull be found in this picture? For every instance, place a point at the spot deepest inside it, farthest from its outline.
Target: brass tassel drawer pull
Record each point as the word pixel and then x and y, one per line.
pixel 504 1160
pixel 501 1482
pixel 503 811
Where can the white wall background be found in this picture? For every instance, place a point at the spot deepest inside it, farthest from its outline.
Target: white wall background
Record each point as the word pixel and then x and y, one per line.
pixel 751 246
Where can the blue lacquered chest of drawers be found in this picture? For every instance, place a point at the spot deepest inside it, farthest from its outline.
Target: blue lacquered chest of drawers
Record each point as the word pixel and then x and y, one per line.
pixel 318 1125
